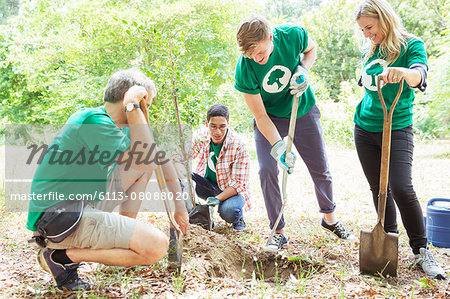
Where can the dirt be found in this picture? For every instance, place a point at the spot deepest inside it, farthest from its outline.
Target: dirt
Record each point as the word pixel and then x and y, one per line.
pixel 213 255
pixel 216 265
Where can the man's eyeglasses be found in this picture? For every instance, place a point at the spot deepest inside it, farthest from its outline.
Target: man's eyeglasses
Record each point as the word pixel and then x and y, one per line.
pixel 214 127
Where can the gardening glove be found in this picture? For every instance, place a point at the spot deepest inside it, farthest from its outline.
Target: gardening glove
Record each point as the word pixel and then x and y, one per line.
pixel 212 201
pixel 285 160
pixel 299 81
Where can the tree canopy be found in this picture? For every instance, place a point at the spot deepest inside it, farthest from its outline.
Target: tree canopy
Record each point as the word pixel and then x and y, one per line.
pixel 56 56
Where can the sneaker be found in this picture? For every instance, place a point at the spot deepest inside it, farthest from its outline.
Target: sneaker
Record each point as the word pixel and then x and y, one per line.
pixel 278 241
pixel 239 225
pixel 65 276
pixel 426 261
pixel 338 229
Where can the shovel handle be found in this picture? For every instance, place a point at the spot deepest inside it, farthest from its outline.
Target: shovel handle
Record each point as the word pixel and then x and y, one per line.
pixel 160 175
pixel 385 150
pixel 163 187
pixel 289 143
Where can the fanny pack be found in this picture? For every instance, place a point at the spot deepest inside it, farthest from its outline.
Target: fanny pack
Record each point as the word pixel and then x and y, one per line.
pixel 60 220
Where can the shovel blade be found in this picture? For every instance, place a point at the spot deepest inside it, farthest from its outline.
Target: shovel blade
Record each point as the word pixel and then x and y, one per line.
pixel 175 256
pixel 378 252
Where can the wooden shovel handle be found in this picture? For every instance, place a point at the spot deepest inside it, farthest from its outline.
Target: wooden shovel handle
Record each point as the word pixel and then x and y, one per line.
pixel 385 150
pixel 160 175
pixel 290 141
pixel 292 122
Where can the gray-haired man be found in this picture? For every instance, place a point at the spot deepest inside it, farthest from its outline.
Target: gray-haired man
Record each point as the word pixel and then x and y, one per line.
pixel 114 133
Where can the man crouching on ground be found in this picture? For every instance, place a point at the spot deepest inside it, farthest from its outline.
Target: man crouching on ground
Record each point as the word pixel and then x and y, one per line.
pixel 222 175
pixel 115 131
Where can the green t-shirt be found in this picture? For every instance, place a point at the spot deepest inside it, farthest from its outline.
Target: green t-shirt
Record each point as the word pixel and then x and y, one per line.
pixel 214 152
pixel 272 79
pixel 369 112
pixel 78 160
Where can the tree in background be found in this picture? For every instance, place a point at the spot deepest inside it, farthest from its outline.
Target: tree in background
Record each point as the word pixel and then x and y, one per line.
pixel 332 27
pixel 63 52
pixel 288 10
pixel 429 21
pixel 8 8
pixel 56 56
pixel 338 61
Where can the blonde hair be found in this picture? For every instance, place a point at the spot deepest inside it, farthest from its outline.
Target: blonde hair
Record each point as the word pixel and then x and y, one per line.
pixel 395 35
pixel 250 32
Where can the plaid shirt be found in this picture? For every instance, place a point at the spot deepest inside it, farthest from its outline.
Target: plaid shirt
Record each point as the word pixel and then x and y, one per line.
pixel 232 169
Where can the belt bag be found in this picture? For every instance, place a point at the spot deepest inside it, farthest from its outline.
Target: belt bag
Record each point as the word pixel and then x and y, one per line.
pixel 60 220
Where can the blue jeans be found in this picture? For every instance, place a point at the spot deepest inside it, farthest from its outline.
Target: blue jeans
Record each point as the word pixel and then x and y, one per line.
pixel 230 209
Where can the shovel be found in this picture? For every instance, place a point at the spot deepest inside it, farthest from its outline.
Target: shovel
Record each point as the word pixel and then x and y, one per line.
pixel 378 250
pixel 175 256
pixel 289 143
pixel 175 234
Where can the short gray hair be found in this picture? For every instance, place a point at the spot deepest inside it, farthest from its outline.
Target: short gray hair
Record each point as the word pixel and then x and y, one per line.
pixel 121 81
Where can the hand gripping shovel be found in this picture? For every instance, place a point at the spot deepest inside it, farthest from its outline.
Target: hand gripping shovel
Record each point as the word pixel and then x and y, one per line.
pixel 290 140
pixel 175 235
pixel 378 250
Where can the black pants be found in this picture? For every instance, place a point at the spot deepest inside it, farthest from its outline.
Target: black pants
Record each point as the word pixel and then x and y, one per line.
pixel 400 188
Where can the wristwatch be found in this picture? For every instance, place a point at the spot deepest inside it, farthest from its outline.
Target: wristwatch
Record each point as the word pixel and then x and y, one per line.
pixel 131 106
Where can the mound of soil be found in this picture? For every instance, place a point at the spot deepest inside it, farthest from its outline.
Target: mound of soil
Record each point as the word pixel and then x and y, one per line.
pixel 209 254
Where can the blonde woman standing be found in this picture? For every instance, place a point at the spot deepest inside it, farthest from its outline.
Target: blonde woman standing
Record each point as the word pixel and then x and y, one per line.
pixel 392 54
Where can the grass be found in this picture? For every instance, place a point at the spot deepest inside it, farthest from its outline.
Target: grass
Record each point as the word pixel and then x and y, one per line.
pixel 178 282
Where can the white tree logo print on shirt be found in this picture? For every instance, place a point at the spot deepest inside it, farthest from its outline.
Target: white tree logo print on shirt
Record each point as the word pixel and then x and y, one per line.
pixel 211 163
pixel 370 73
pixel 276 79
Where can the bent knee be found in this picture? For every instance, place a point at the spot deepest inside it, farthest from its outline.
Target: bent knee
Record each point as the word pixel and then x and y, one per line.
pixel 405 196
pixel 230 216
pixel 156 249
pixel 150 243
pixel 266 172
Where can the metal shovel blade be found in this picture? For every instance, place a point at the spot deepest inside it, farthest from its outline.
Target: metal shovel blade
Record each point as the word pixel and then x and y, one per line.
pixel 378 252
pixel 175 254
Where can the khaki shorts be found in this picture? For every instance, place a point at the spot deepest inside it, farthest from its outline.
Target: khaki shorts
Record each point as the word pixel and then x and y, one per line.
pixel 99 228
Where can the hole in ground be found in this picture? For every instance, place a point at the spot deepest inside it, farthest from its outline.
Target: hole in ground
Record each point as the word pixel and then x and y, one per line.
pixel 210 254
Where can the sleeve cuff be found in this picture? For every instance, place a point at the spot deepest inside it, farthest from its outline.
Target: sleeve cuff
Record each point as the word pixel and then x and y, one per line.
pixel 236 186
pixel 422 68
pixel 249 91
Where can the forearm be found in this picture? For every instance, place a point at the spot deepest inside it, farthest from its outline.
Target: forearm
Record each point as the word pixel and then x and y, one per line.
pixel 309 55
pixel 142 148
pixel 263 121
pixel 173 186
pixel 268 129
pixel 412 77
pixel 227 193
pixel 309 58
pixel 141 142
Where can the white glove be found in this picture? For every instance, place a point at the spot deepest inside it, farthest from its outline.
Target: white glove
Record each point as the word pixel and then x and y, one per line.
pixel 285 160
pixel 299 81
